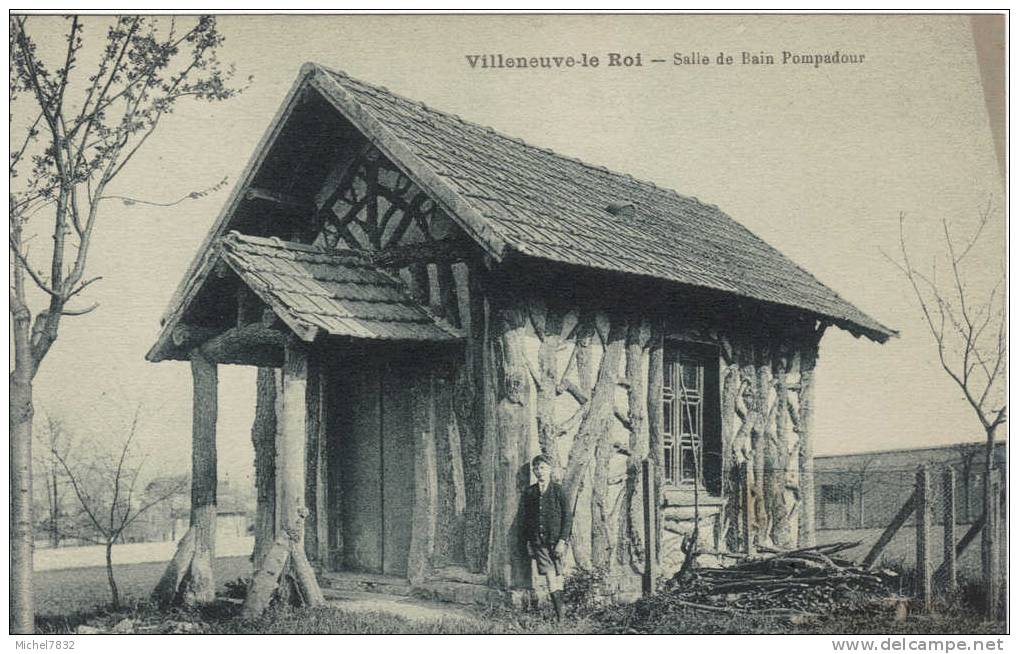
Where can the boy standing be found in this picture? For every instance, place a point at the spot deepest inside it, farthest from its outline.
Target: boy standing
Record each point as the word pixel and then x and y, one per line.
pixel 547 525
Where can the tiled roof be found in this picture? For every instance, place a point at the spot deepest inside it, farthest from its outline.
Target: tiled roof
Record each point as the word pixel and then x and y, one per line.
pixel 340 292
pixel 545 205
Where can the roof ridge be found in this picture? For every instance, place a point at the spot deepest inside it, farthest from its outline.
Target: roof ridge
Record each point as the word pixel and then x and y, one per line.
pixel 515 139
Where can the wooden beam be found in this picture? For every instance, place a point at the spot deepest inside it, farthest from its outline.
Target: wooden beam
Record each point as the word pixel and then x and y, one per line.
pixel 889 533
pixel 288 202
pixel 447 250
pixel 187 337
pixel 252 344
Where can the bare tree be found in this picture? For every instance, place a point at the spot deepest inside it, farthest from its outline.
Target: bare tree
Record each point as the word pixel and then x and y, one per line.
pixel 104 486
pixel 79 115
pixel 968 327
pixel 54 487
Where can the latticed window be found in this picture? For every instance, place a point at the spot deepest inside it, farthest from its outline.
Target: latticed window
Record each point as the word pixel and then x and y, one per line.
pixel 690 417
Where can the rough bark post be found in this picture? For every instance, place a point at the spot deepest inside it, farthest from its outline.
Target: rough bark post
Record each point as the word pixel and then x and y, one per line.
pixel 759 439
pixel 548 323
pixel 923 537
pixel 263 437
pixel 731 490
pixel 188 578
pixel 508 566
pixel 748 520
pixel 286 557
pixel 949 565
pixel 783 478
pixel 426 501
pixel 632 537
pixel 312 463
pixel 472 401
pixel 592 445
pixel 808 365
pixel 656 430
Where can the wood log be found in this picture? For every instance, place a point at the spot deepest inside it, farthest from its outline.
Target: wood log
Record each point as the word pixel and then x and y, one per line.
pixel 442 251
pixel 427 508
pixel 595 428
pixel 548 323
pixel 187 337
pixel 808 365
pixel 474 401
pixel 656 426
pixel 782 480
pixel 188 578
pixel 449 541
pixel 508 564
pixel 291 414
pixel 313 463
pixel 632 536
pixel 263 438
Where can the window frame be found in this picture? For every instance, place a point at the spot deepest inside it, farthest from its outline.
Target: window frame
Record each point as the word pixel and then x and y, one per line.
pixel 705 440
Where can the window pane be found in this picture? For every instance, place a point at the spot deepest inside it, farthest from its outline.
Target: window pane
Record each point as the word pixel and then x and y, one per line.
pixel 667 374
pixel 689 372
pixel 667 416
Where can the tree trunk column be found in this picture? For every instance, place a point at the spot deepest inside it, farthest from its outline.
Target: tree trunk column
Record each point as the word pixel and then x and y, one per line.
pixel 286 561
pixel 189 578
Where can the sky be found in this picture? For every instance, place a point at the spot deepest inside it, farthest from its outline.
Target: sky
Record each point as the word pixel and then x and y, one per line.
pixel 818 161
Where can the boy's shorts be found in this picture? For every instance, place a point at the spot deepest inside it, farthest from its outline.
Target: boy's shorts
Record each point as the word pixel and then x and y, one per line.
pixel 546 560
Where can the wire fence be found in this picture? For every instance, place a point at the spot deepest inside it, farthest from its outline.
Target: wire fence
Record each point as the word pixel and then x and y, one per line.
pixel 860 504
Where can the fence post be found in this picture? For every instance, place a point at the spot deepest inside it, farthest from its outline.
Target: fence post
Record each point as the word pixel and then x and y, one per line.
pixel 948 492
pixel 748 533
pixel 992 527
pixel 923 533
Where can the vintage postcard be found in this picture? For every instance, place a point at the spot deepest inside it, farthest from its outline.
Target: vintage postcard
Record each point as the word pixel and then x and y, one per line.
pixel 509 324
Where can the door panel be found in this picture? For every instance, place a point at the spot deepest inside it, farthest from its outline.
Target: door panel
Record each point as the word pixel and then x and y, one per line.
pixel 361 491
pixel 402 384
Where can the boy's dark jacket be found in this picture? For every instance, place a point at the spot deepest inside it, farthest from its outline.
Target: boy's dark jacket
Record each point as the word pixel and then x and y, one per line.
pixel 548 521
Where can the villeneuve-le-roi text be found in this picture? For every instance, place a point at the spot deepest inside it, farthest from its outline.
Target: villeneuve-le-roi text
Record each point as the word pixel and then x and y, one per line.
pixel 498 61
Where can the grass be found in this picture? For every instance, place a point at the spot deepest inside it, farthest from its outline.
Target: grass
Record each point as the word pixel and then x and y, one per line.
pixel 66 596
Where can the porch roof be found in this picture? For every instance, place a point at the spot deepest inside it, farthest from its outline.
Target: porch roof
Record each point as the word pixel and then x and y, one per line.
pixel 340 292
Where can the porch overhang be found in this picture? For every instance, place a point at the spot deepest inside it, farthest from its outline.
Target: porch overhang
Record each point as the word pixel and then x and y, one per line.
pixel 314 294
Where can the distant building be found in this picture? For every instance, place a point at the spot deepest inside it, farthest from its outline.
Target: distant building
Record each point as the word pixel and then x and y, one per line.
pixel 865 490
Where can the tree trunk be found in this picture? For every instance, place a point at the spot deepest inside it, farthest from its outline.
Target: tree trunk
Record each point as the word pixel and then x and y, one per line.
pixel 594 428
pixel 656 429
pixel 22 609
pixel 188 578
pixel 286 560
pixel 508 564
pixel 631 539
pixel 548 323
pixel 470 406
pixel 808 364
pixel 114 594
pixel 263 437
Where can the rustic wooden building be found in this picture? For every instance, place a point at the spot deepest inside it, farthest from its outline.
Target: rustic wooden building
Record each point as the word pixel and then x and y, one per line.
pixel 431 303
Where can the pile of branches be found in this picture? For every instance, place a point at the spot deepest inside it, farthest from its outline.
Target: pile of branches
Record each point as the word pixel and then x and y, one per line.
pixel 812 580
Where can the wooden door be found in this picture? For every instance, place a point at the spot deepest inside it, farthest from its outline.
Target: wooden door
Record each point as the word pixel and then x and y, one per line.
pixel 379 413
